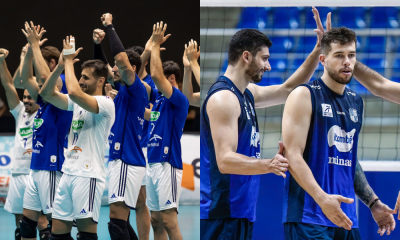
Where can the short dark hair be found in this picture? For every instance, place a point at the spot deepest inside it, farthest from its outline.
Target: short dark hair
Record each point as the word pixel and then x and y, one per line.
pixel 138 49
pixel 169 68
pixel 340 35
pixel 246 40
pixel 99 67
pixel 134 59
pixel 50 52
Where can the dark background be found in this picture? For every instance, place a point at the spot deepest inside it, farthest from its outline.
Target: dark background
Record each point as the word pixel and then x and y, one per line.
pixel 133 21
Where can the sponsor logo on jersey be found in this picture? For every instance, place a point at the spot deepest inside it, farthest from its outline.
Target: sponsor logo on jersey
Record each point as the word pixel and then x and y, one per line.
pixel 37 122
pixel 117 146
pixel 353 115
pixel 341 139
pixel 341 113
pixel 77 124
pixel 38 144
pixel 155 137
pixel 315 87
pixel 252 110
pixel 76 149
pixel 53 158
pixel 326 110
pixel 165 150
pixel 255 137
pixel 87 164
pixel 341 162
pixel 24 132
pixel 154 116
pixel 29 151
pixel 141 121
pixel 351 93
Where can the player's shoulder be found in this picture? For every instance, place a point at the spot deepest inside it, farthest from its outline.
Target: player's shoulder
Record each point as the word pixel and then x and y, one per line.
pixel 222 100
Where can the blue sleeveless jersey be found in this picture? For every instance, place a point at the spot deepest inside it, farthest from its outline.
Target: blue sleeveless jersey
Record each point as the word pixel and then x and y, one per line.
pixel 126 132
pixel 229 195
pixel 50 128
pixel 330 153
pixel 145 138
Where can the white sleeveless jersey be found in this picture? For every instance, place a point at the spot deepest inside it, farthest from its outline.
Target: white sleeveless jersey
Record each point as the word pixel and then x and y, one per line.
pixel 88 139
pixel 22 151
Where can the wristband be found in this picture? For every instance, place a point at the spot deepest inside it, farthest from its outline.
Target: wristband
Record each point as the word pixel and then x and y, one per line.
pixel 71 50
pixel 373 202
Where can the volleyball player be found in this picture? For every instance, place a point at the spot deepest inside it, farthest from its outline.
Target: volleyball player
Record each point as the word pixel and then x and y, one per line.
pixel 168 115
pixel 229 135
pixel 82 183
pixel 320 129
pixel 190 56
pixel 49 130
pixel 24 114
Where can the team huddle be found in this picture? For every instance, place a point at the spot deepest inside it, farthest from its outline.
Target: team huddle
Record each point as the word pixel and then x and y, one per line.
pixel 321 124
pixel 63 126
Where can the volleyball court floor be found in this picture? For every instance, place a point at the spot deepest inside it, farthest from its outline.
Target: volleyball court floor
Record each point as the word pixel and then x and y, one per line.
pixel 188 218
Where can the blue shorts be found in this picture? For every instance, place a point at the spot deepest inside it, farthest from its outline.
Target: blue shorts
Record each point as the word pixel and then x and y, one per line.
pixel 300 231
pixel 226 229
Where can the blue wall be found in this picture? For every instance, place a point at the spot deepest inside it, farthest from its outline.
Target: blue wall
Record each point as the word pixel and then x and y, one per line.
pixel 270 201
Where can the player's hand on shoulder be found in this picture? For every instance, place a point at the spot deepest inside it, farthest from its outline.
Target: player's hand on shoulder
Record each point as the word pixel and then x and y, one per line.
pixel 330 206
pixel 279 164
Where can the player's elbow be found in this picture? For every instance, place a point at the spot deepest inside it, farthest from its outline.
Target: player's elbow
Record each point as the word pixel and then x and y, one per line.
pixel 223 166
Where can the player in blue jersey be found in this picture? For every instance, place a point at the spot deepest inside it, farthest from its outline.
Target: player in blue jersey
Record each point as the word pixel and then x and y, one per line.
pixel 168 115
pixel 127 163
pixel 24 113
pixel 49 130
pixel 320 129
pixel 229 136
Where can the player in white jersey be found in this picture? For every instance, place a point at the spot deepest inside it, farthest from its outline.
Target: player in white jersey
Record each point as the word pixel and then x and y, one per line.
pixel 82 184
pixel 24 113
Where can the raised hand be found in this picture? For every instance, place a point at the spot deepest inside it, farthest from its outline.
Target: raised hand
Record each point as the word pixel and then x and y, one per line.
pixel 3 54
pixel 383 216
pixel 67 45
pixel 186 62
pixel 158 33
pixel 106 19
pixel 191 51
pixel 34 33
pixel 279 164
pixel 320 28
pixel 330 206
pixel 98 35
pixel 149 45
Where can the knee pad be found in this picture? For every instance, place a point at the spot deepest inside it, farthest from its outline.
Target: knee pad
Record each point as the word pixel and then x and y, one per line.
pixel 17 234
pixel 118 229
pixel 86 236
pixel 28 227
pixel 65 236
pixel 44 234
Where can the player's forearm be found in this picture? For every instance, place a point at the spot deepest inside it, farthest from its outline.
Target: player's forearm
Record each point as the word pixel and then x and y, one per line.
pixel 71 81
pixel 303 176
pixel 235 163
pixel 157 73
pixel 27 70
pixel 196 70
pixel 42 68
pixel 6 81
pixel 369 78
pixel 17 77
pixel 304 73
pixel 362 188
pixel 49 86
pixel 144 58
pixel 187 86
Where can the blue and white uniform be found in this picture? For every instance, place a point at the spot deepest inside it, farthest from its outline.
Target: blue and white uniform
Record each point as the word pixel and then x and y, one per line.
pixel 330 153
pixel 21 161
pixel 228 197
pixel 164 173
pixel 127 165
pixel 50 127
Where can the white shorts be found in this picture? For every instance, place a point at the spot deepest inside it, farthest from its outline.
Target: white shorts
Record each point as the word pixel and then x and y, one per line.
pixel 41 189
pixel 124 182
pixel 78 197
pixel 15 197
pixel 145 158
pixel 163 186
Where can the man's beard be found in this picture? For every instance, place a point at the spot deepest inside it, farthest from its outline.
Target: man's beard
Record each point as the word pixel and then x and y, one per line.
pixel 335 76
pixel 88 90
pixel 254 72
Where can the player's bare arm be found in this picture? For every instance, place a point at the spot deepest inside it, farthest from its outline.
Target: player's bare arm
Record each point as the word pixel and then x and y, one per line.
pixel 376 83
pixel 7 81
pixel 17 75
pixel 193 55
pixel 33 34
pixel 27 79
pixel 277 94
pixel 87 102
pixel 147 53
pixel 295 126
pixel 381 213
pixel 223 110
pixel 187 86
pixel 156 69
